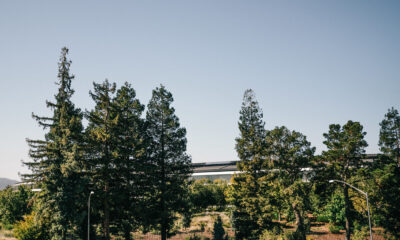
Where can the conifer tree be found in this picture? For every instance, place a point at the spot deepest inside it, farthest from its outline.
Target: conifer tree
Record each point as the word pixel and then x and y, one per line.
pixel 57 160
pixel 290 153
pixel 171 166
pixel 252 213
pixel 130 161
pixel 218 230
pixel 346 149
pixel 389 135
pixel 101 145
pixel 116 163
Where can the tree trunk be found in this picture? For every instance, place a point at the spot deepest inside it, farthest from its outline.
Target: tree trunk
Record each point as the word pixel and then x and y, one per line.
pixel 347 210
pixel 299 222
pixel 106 221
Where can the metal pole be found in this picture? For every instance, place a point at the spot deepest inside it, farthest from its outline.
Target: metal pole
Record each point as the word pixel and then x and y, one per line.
pixel 366 194
pixel 88 219
pixel 369 218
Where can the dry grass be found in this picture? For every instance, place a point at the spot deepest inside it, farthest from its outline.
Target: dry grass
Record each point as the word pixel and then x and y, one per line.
pixel 6 235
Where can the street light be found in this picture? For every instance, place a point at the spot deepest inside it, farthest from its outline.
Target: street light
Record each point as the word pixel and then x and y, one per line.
pixel 88 218
pixel 366 195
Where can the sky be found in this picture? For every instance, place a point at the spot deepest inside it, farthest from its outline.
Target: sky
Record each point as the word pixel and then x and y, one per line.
pixel 310 63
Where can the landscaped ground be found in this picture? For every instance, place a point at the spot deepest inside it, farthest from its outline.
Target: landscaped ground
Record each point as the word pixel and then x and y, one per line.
pixel 319 231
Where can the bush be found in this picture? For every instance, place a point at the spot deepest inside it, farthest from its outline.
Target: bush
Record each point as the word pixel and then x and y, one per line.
pixel 289 235
pixel 322 218
pixel 335 210
pixel 270 235
pixel 193 237
pixel 334 229
pixel 218 231
pixel 361 234
pixel 27 229
pixel 202 226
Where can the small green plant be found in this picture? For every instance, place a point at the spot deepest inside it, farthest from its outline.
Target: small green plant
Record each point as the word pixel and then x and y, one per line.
pixel 322 218
pixel 202 226
pixel 361 234
pixel 193 237
pixel 334 229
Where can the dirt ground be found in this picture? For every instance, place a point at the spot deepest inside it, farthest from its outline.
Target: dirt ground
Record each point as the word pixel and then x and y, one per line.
pixel 319 230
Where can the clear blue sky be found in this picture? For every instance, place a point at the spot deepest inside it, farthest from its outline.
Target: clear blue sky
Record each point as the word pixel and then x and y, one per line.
pixel 311 63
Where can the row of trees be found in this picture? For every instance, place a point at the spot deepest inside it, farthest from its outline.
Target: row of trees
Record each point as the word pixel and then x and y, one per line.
pixel 137 167
pixel 280 171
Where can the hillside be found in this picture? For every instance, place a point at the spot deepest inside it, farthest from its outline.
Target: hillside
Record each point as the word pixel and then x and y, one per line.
pixel 4 182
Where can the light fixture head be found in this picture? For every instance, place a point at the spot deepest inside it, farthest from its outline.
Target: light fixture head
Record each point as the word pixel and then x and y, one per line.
pixel 91 192
pixel 331 181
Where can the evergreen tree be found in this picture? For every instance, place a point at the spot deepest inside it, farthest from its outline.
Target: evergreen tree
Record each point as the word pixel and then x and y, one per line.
pixel 290 153
pixel 130 162
pixel 101 146
pixel 346 148
pixel 389 135
pixel 57 160
pixel 171 166
pixel 251 213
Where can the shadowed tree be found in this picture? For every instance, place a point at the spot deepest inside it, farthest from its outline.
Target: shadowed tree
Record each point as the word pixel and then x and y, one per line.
pixel 171 166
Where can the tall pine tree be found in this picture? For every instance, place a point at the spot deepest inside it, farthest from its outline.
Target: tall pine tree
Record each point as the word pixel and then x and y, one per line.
pixel 117 165
pixel 171 166
pixel 252 212
pixel 131 187
pixel 58 164
pixel 101 146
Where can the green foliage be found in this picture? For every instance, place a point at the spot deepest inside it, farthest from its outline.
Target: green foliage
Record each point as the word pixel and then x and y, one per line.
pixel 205 193
pixel 57 166
pixel 384 187
pixel 290 153
pixel 322 218
pixel 116 150
pixel 251 213
pixel 346 149
pixel 218 230
pixel 334 210
pixel 361 234
pixel 29 229
pixel 14 204
pixel 389 135
pixel 334 228
pixel 170 165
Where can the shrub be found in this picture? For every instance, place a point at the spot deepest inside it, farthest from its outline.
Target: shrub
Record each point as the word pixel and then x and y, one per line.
pixel 270 235
pixel 27 229
pixel 333 228
pixel 218 231
pixel 193 237
pixel 322 218
pixel 335 209
pixel 361 234
pixel 290 235
pixel 202 226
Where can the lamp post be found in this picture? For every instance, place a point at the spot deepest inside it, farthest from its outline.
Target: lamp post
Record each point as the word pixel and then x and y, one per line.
pixel 88 218
pixel 366 195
